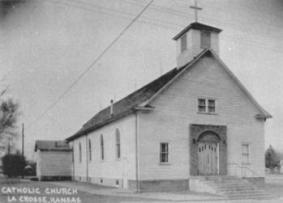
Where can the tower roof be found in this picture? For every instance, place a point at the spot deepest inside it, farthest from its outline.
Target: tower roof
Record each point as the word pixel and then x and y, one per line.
pixel 197 26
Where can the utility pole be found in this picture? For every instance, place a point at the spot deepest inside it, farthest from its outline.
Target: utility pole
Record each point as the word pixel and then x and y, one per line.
pixel 23 145
pixel 9 145
pixel 23 139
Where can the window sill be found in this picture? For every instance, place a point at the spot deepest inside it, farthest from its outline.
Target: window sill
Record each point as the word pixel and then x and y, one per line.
pixel 164 164
pixel 246 164
pixel 207 113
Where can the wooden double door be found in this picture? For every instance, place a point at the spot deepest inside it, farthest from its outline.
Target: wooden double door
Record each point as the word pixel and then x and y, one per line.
pixel 208 154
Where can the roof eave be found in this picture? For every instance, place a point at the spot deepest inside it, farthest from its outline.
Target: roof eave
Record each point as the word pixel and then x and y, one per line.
pixel 263 112
pixel 144 108
pixel 198 26
pixel 263 116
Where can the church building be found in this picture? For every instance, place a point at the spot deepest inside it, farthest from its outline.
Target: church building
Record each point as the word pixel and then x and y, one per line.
pixel 197 120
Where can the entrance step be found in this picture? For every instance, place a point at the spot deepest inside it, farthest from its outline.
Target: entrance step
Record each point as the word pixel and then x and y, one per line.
pixel 229 187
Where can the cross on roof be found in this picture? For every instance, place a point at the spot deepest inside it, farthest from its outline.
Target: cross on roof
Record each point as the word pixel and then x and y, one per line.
pixel 196 9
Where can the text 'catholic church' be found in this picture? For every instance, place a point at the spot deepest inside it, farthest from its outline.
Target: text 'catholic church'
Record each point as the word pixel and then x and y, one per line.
pixel 195 120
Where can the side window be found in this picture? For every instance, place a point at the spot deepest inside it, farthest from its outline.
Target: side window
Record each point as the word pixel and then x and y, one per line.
pixel 80 152
pixel 89 150
pixel 205 40
pixel 164 152
pixel 183 42
pixel 118 144
pixel 245 153
pixel 101 147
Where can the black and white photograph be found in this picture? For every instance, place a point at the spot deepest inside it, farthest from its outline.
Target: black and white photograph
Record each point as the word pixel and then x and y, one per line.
pixel 141 101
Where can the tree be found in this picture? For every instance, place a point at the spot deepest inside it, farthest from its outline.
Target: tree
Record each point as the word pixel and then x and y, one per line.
pixel 271 158
pixel 9 113
pixel 7 6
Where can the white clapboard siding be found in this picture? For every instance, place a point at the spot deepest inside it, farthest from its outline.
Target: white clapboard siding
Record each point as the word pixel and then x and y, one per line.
pixel 176 108
pixel 110 167
pixel 54 163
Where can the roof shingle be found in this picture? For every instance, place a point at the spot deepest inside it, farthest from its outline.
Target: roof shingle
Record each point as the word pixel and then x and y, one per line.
pixel 126 105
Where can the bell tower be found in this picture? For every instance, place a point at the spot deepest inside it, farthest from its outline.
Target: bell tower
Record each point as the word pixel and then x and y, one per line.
pixel 194 38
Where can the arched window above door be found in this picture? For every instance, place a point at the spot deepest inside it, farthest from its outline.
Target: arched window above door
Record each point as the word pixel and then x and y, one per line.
pixel 208 136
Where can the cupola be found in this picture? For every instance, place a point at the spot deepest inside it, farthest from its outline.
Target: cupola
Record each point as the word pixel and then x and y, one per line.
pixel 195 38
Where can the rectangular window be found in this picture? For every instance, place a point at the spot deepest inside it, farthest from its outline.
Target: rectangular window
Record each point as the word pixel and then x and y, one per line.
pixel 89 149
pixel 206 105
pixel 201 105
pixel 211 106
pixel 102 147
pixel 80 152
pixel 205 40
pixel 183 42
pixel 245 153
pixel 118 144
pixel 164 152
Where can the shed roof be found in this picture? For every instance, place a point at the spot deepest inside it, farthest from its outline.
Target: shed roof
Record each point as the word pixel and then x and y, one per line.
pixel 52 145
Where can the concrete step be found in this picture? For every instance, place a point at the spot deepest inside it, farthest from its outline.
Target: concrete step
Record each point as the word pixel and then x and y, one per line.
pixel 242 192
pixel 239 191
pixel 233 187
pixel 250 196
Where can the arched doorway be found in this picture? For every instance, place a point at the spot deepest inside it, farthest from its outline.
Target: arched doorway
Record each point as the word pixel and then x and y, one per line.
pixel 208 153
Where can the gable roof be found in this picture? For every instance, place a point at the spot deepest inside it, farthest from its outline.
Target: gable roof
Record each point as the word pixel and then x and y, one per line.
pixel 127 105
pixel 141 98
pixel 51 145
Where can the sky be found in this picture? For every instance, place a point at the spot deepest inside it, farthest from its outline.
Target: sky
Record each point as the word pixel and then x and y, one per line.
pixel 46 44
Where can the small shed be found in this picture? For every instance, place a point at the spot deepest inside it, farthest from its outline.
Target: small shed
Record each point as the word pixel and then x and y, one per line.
pixel 53 160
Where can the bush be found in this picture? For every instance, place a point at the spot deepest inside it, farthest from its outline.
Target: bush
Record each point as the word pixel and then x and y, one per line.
pixel 13 165
pixel 272 160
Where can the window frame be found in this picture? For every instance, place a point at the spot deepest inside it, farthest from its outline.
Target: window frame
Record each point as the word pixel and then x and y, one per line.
pixel 206 106
pixel 205 39
pixel 89 150
pixel 201 106
pixel 80 152
pixel 102 155
pixel 118 144
pixel 211 106
pixel 183 43
pixel 247 159
pixel 165 152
